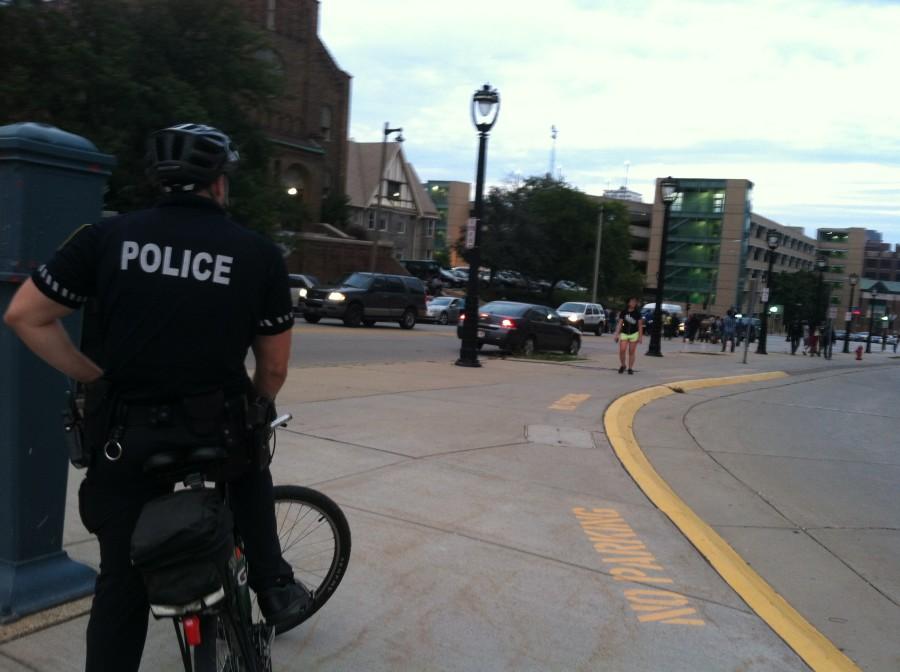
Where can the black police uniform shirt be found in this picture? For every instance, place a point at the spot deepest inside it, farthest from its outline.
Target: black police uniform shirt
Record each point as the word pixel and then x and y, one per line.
pixel 182 291
pixel 630 320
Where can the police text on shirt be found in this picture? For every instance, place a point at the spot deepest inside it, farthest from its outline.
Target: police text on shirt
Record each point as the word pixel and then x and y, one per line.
pixel 201 266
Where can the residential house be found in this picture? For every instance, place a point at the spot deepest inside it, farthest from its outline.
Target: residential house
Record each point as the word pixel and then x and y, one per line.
pixel 406 218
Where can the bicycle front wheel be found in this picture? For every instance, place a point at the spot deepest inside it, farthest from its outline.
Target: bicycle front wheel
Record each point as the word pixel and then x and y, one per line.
pixel 315 541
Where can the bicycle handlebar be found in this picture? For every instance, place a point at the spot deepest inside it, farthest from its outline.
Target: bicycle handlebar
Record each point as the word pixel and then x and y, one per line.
pixel 281 421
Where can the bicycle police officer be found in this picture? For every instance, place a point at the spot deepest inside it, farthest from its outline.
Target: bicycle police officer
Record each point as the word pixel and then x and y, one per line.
pixel 182 293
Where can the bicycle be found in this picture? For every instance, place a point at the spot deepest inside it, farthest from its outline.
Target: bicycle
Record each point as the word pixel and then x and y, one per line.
pixel 219 627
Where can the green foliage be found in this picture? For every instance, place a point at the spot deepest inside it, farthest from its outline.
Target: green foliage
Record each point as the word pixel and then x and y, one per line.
pixel 547 229
pixel 115 71
pixel 801 294
pixel 336 209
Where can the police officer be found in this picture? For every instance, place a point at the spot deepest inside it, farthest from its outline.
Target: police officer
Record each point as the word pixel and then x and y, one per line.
pixel 182 292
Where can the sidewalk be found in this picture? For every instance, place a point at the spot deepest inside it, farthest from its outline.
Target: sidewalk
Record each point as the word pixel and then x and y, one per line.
pixel 485 505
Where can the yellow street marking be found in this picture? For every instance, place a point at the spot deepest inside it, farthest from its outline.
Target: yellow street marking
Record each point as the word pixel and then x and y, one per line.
pixel 613 537
pixel 569 402
pixel 812 646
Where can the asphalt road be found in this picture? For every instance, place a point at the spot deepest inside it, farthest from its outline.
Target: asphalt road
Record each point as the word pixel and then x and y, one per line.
pixel 802 478
pixel 329 342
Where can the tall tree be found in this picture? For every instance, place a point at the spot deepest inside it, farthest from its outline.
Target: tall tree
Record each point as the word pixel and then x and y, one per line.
pixel 115 71
pixel 547 229
pixel 801 294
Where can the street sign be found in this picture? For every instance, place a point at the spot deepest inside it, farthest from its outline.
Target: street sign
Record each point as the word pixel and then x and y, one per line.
pixel 848 316
pixel 471 226
pixel 832 313
pixel 765 295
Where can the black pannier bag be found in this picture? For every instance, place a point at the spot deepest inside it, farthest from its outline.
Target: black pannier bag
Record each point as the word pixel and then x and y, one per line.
pixel 182 544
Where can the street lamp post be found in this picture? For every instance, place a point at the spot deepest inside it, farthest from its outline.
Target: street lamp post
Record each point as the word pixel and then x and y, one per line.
pixel 821 263
pixel 669 191
pixel 853 279
pixel 387 131
pixel 872 296
pixel 485 108
pixel 773 240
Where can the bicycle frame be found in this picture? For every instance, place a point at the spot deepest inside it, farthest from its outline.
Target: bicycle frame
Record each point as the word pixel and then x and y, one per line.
pixel 231 605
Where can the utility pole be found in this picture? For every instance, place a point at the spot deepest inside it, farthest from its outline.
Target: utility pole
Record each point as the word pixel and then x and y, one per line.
pixel 597 254
pixel 374 253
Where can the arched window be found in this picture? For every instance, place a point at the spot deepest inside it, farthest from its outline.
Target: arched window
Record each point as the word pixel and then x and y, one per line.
pixel 326 123
pixel 270 14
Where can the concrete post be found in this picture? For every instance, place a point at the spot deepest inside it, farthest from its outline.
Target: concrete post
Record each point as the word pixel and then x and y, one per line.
pixel 51 182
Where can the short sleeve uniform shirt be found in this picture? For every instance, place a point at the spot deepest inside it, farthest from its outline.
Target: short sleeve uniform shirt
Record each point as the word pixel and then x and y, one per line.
pixel 181 291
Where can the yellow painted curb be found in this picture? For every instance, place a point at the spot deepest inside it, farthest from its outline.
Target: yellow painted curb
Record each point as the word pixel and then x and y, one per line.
pixel 812 646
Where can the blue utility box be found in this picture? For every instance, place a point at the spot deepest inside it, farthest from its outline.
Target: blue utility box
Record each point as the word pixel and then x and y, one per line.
pixel 51 182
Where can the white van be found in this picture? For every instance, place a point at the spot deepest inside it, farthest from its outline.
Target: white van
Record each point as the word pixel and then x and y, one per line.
pixel 671 308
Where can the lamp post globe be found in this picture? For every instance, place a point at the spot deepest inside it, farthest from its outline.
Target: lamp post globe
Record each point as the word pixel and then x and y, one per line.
pixel 668 190
pixel 852 279
pixel 485 109
pixel 773 240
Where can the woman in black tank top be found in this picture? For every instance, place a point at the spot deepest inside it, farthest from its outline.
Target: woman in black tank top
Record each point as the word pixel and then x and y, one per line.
pixel 629 333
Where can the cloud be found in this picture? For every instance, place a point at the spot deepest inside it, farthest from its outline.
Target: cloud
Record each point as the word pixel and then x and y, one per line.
pixel 796 96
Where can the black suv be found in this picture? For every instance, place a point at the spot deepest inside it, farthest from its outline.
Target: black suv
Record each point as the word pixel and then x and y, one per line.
pixel 367 298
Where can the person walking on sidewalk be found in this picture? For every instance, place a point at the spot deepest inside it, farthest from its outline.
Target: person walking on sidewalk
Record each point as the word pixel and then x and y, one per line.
pixel 629 333
pixel 183 293
pixel 795 335
pixel 729 326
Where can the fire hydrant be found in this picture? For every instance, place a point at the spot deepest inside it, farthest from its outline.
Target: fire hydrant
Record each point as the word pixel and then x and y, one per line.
pixel 859 352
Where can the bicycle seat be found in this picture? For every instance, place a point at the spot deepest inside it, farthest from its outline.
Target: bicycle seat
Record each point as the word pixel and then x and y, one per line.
pixel 184 461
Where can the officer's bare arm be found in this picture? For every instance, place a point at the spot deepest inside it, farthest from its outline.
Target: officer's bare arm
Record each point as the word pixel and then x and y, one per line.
pixel 272 354
pixel 36 320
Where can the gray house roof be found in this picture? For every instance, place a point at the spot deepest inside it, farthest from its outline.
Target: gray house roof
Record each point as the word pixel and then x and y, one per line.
pixel 363 163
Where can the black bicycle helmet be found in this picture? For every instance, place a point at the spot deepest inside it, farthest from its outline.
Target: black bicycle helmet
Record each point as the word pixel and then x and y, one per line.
pixel 190 154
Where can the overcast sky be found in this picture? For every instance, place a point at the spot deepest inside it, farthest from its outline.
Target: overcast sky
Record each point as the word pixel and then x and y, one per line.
pixel 800 97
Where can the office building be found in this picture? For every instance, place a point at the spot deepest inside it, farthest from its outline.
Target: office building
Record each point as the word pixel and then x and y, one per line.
pixel 717 252
pixel 453 206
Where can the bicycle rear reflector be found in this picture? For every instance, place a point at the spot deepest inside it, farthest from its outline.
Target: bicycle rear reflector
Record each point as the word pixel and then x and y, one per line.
pixel 191 626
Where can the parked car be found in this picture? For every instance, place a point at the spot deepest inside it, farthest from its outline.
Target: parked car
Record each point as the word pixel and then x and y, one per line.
pixel 445 309
pixel 584 316
pixel 523 327
pixel 300 285
pixel 367 298
pixel 451 279
pixel 424 269
pixel 569 286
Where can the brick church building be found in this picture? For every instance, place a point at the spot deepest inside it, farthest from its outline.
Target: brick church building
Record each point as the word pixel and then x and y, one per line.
pixel 308 124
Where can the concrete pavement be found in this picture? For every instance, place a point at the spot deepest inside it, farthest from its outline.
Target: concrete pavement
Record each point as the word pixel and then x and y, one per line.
pixel 802 477
pixel 476 500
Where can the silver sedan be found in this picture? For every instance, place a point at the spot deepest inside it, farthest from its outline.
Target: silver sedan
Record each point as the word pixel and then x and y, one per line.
pixel 445 309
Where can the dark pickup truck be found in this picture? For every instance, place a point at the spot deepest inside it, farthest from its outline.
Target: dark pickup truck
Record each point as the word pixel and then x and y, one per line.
pixel 367 298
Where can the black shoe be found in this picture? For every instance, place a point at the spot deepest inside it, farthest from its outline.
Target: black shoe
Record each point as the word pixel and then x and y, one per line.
pixel 284 604
pixel 622 369
pixel 630 372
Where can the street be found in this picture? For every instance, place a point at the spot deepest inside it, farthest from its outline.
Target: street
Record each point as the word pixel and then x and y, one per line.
pixel 494 528
pixel 329 342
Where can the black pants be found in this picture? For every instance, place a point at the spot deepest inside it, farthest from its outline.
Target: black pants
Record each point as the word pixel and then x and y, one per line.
pixel 110 501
